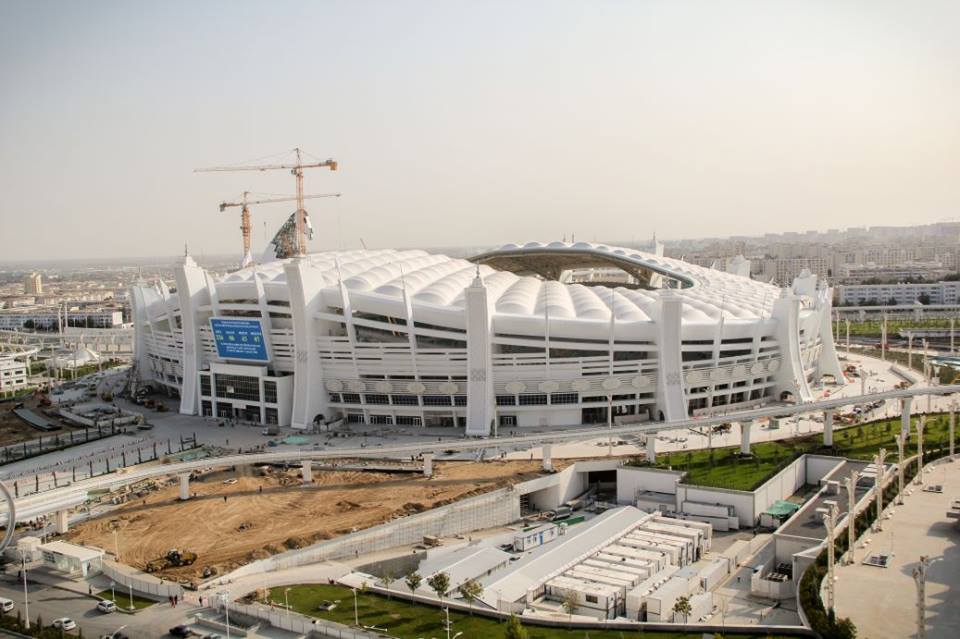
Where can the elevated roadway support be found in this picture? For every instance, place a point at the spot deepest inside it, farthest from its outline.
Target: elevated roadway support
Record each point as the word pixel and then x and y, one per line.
pixel 184 486
pixel 428 464
pixel 652 448
pixel 547 457
pixel 828 428
pixel 61 523
pixel 306 470
pixel 905 416
pixel 745 436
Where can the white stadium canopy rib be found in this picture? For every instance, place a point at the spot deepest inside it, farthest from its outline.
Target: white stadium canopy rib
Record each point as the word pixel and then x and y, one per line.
pixel 560 334
pixel 74 494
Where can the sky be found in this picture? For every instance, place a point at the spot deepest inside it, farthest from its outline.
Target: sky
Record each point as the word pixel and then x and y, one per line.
pixel 472 123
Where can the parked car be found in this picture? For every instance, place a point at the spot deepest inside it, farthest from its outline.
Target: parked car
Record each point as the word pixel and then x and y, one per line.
pixel 105 605
pixel 64 623
pixel 181 631
pixel 6 605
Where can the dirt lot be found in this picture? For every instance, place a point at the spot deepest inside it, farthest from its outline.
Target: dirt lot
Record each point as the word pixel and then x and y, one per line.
pixel 14 430
pixel 251 524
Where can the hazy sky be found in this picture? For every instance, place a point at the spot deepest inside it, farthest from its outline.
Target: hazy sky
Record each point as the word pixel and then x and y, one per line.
pixel 473 123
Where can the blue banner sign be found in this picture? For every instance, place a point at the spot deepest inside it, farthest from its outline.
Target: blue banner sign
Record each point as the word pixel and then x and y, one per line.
pixel 238 338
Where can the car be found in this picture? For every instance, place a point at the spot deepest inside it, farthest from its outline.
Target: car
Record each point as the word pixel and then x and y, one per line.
pixel 64 623
pixel 326 605
pixel 6 605
pixel 116 635
pixel 181 631
pixel 105 605
pixel 212 635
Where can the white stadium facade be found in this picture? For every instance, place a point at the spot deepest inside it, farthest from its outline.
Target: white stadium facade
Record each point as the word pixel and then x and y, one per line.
pixel 536 335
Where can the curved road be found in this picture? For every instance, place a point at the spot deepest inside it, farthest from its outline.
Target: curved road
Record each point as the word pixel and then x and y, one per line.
pixel 66 497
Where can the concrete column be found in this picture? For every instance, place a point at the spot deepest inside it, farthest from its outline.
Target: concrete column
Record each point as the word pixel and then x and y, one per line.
pixel 547 458
pixel 905 416
pixel 61 523
pixel 745 437
pixel 306 470
pixel 480 395
pixel 652 447
pixel 192 292
pixel 428 464
pixel 828 427
pixel 953 424
pixel 185 487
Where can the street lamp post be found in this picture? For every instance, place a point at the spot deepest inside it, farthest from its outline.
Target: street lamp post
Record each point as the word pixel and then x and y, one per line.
pixel 356 616
pixel 286 603
pixel 920 579
pixel 830 521
pixel 851 485
pixel 131 596
pixel 920 426
pixel 26 600
pixel 901 442
pixel 225 598
pixel 878 460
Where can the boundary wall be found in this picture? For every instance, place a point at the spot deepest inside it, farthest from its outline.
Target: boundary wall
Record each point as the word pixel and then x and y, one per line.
pixel 142 583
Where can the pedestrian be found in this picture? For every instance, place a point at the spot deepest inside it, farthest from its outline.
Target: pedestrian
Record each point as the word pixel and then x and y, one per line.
pixel 90 589
pixel 176 598
pixel 201 600
pixel 260 489
pixel 224 499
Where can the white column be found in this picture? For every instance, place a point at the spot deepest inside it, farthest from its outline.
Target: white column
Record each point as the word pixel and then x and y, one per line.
pixel 790 376
pixel 851 484
pixel 480 397
pixel 309 396
pixel 905 416
pixel 745 437
pixel 306 471
pixel 671 403
pixel 184 486
pixel 652 447
pixel 878 461
pixel 547 457
pixel 61 522
pixel 828 427
pixel 428 464
pixel 192 292
pixel 920 426
pixel 953 423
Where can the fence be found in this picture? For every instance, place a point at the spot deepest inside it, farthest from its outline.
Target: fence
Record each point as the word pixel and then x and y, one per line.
pixel 295 622
pixel 496 508
pixel 142 584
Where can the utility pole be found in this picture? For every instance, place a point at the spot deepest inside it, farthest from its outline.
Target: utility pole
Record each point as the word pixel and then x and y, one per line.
pixel 920 579
pixel 910 349
pixel 851 485
pixel 848 335
pixel 830 521
pixel 953 423
pixel 883 339
pixel 921 424
pixel 878 460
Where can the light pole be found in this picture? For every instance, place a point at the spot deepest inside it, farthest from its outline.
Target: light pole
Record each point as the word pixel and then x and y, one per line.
pixel 356 616
pixel 286 603
pixel 878 460
pixel 851 485
pixel 830 521
pixel 116 544
pixel 920 426
pixel 113 592
pixel 953 424
pixel 26 600
pixel 920 579
pixel 131 595
pixel 901 442
pixel 225 598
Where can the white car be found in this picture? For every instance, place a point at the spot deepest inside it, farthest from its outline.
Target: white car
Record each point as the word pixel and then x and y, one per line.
pixel 64 623
pixel 6 605
pixel 105 605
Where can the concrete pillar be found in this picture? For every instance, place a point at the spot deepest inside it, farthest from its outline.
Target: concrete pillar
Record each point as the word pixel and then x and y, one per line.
pixel 61 523
pixel 953 424
pixel 306 470
pixel 745 437
pixel 480 395
pixel 547 458
pixel 652 447
pixel 185 487
pixel 428 464
pixel 828 427
pixel 905 416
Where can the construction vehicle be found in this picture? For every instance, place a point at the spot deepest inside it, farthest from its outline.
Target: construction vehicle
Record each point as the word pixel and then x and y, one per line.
pixel 173 559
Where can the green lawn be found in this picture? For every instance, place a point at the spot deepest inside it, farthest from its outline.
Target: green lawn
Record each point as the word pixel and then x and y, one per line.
pixel 724 468
pixel 123 598
pixel 873 328
pixel 407 620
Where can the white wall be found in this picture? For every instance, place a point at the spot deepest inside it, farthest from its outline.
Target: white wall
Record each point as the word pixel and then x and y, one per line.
pixel 631 479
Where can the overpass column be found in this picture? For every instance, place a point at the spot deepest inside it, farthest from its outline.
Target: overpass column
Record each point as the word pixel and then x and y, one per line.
pixel 745 437
pixel 428 464
pixel 306 470
pixel 828 427
pixel 61 523
pixel 652 447
pixel 185 487
pixel 905 416
pixel 547 457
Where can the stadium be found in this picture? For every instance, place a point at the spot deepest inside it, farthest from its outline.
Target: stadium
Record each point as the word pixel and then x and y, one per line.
pixel 533 335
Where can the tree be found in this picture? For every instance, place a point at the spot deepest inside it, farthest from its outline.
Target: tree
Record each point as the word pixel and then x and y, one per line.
pixel 682 607
pixel 439 583
pixel 892 301
pixel 569 605
pixel 386 580
pixel 413 581
pixel 471 590
pixel 924 299
pixel 515 629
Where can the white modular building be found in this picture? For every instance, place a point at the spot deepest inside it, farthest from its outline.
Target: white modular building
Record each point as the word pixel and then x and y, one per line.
pixel 507 339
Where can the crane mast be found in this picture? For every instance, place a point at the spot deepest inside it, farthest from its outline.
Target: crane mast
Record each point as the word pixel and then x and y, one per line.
pixel 296 169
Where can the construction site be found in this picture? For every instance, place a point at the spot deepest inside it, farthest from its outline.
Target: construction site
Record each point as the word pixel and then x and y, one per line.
pixel 237 516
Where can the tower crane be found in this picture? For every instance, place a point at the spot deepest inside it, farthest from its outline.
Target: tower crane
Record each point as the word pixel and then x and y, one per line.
pixel 245 226
pixel 296 169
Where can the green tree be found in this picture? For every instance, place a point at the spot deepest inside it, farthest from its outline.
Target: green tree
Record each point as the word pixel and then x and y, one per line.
pixel 569 604
pixel 471 590
pixel 515 629
pixel 439 583
pixel 385 580
pixel 413 581
pixel 682 607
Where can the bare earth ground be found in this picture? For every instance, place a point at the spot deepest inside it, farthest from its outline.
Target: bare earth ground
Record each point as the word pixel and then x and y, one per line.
pixel 14 430
pixel 251 525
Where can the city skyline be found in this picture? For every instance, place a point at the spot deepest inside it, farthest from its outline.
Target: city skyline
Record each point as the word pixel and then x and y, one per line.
pixel 457 124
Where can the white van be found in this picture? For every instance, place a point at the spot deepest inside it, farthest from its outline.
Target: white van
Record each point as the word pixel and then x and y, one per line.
pixel 6 605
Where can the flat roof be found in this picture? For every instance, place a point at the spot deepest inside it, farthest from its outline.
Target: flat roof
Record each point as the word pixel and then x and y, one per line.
pixel 82 553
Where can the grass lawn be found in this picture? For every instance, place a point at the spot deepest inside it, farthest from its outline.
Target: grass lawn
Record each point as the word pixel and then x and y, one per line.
pixel 726 469
pixel 412 621
pixel 873 328
pixel 123 598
